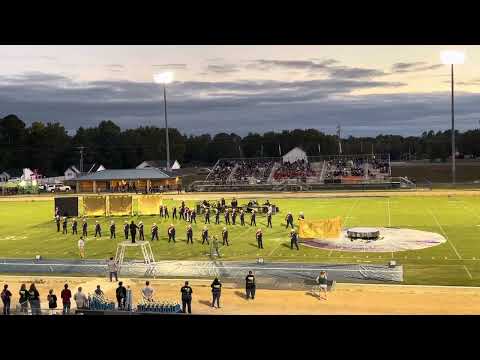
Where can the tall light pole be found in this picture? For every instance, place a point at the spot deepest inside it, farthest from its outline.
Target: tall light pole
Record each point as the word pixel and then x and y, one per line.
pixel 452 57
pixel 165 78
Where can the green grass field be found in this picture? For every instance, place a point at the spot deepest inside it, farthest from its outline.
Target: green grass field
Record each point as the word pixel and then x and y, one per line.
pixel 27 229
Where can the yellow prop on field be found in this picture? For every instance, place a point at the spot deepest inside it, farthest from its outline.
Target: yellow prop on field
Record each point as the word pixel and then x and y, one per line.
pixel 94 206
pixel 149 204
pixel 320 229
pixel 120 205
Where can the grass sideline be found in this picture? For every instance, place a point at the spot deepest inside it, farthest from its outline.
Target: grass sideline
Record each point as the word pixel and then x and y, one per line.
pixel 28 229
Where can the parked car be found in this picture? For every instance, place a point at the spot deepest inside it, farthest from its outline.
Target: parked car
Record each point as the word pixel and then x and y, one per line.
pixel 58 188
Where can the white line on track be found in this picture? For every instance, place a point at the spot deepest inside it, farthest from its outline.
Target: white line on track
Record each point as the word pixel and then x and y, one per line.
pixel 444 233
pixel 468 272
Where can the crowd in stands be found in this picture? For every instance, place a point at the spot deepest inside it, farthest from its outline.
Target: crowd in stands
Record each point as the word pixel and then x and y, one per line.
pixel 258 169
pixel 294 170
pixel 343 167
pixel 221 171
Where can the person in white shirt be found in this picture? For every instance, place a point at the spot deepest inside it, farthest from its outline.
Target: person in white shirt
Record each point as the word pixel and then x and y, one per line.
pixel 112 269
pixel 81 247
pixel 80 298
pixel 147 292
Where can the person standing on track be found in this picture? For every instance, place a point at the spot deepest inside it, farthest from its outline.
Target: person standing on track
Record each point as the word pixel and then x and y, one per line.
pixel 121 294
pixel 216 292
pixel 250 285
pixel 6 297
pixel 52 302
pixel 23 298
pixel 187 292
pixel 34 299
pixel 112 230
pixel 66 295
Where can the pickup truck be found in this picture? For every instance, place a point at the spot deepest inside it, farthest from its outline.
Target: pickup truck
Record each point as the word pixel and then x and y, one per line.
pixel 58 188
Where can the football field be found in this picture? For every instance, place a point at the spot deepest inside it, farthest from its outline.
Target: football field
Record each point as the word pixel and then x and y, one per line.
pixel 27 228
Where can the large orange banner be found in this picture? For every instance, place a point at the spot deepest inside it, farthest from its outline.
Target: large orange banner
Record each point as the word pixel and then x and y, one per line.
pixel 320 229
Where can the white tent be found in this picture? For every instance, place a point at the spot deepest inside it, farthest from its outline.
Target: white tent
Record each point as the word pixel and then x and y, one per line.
pixel 295 154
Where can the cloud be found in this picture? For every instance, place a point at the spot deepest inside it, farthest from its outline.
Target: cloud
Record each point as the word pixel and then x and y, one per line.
pixel 403 67
pixel 239 106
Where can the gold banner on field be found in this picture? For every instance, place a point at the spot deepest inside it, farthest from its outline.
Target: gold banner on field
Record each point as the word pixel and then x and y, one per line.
pixel 120 205
pixel 94 206
pixel 320 229
pixel 149 204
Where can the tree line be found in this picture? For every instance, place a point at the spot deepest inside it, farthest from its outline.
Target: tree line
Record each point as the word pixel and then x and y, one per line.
pixel 49 148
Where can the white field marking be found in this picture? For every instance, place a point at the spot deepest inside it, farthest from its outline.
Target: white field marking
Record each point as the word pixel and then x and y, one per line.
pixel 347 215
pixel 468 272
pixel 444 233
pixel 330 253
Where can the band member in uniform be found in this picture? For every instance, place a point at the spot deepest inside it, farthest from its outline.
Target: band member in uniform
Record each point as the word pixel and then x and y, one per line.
pixel 141 236
pixel 207 215
pixel 174 213
pixel 250 286
pixel 189 234
pixel 253 217
pixel 165 212
pixel 234 203
pixel 112 230
pixel 64 225
pixel 133 231
pixel 301 216
pixel 171 233
pixel 57 212
pixel 182 211
pixel 269 217
pixel 217 216
pixel 57 221
pixel 259 236
pixel 98 230
pixel 84 227
pixel 186 298
pixel 289 219
pixel 126 228
pixel 227 217
pixel 225 236
pixel 161 211
pixel 242 217
pixel 154 231
pixel 193 216
pixel 205 235
pixel 222 202
pixel 74 227
pixel 293 239
pixel 234 215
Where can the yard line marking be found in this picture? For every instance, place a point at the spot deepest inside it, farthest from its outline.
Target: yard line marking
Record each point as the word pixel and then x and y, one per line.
pixel 347 216
pixel 444 233
pixel 330 253
pixel 468 272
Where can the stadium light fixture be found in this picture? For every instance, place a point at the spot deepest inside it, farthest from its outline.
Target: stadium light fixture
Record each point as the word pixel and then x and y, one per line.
pixel 165 78
pixel 452 57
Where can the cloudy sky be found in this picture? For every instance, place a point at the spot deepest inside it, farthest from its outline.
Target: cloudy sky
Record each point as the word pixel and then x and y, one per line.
pixel 368 90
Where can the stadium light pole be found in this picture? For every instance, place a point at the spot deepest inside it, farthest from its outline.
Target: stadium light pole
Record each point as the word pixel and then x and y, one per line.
pixel 452 57
pixel 165 78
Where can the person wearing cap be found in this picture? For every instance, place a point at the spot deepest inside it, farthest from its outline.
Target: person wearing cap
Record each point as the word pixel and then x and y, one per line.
pixel 289 219
pixel 216 292
pixel 112 230
pixel 189 234
pixel 84 227
pixel 154 231
pixel 74 227
pixel 98 229
pixel 253 217
pixel 225 236
pixel 293 239
pixel 171 233
pixel 205 235
pixel 126 228
pixel 141 235
pixel 259 236
pixel 64 225
pixel 250 285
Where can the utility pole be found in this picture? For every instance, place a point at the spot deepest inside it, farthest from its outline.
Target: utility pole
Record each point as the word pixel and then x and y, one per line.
pixel 339 135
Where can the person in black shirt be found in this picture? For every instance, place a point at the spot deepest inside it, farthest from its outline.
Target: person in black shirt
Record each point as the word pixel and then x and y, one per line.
pixel 121 294
pixel 98 229
pixel 225 236
pixel 182 211
pixel 193 216
pixel 259 236
pixel 227 217
pixel 216 292
pixel 57 221
pixel 234 215
pixel 171 233
pixel 174 213
pixel 112 230
pixel 23 298
pixel 141 235
pixel 250 286
pixel 253 217
pixel 34 299
pixel 6 297
pixel 222 201
pixel 133 231
pixel 217 216
pixel 64 225
pixel 189 234
pixel 165 212
pixel 84 227
pixel 293 239
pixel 205 235
pixel 154 231
pixel 126 228
pixel 74 227
pixel 52 301
pixel 289 219
pixel 234 203
pixel 242 217
pixel 207 215
pixel 187 292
